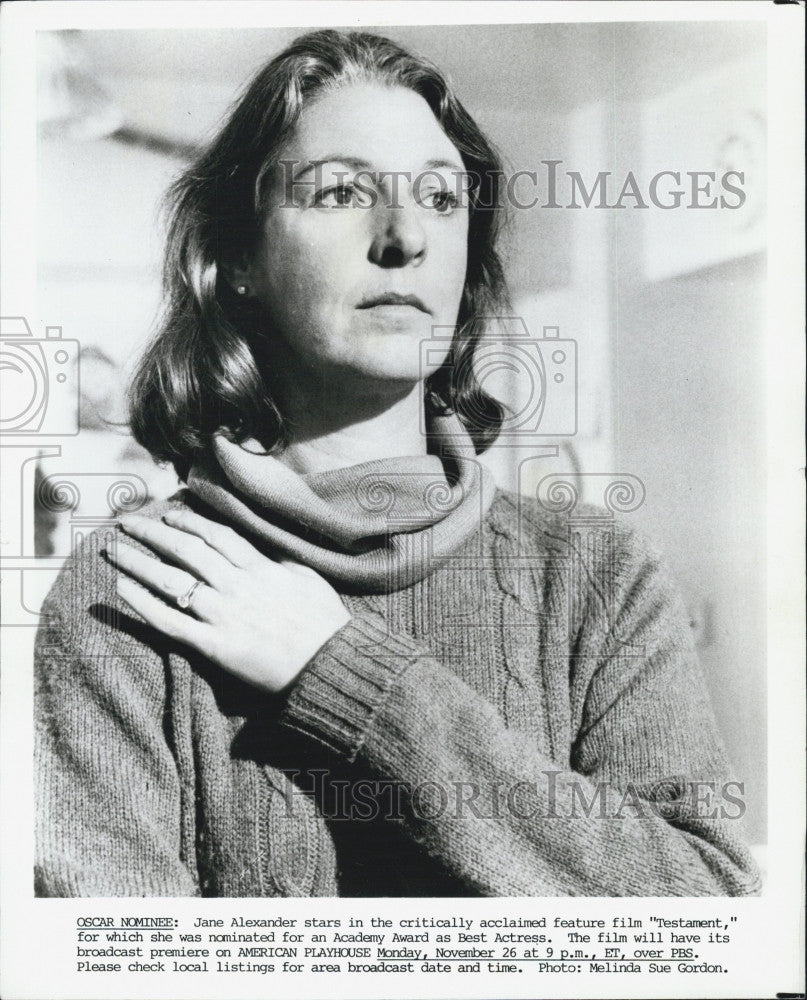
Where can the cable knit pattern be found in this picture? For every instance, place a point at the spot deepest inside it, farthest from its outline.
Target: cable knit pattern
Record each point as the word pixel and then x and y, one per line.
pixel 490 707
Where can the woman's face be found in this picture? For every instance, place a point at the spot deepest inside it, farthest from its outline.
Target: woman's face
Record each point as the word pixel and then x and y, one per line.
pixel 364 247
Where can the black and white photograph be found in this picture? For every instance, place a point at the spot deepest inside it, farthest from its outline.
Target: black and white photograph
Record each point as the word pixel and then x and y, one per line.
pixel 390 465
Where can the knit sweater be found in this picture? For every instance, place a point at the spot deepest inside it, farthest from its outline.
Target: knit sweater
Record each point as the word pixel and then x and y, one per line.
pixel 373 527
pixel 523 715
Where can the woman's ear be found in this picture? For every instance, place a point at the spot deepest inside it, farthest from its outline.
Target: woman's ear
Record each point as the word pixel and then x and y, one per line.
pixel 237 274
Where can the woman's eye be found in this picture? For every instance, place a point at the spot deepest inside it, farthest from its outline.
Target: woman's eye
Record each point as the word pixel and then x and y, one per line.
pixel 339 196
pixel 440 201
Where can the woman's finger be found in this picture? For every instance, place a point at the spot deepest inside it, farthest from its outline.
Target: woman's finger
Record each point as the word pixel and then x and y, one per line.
pixel 168 620
pixel 219 537
pixel 188 551
pixel 168 581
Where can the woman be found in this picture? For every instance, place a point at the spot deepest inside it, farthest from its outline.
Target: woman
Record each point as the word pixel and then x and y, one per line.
pixel 340 662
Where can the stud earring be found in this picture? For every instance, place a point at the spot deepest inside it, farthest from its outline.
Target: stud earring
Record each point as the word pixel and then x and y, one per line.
pixel 242 289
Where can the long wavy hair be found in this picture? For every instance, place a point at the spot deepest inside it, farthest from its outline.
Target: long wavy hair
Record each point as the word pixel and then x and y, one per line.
pixel 207 369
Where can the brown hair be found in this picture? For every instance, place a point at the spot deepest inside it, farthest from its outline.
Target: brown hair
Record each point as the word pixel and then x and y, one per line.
pixel 202 371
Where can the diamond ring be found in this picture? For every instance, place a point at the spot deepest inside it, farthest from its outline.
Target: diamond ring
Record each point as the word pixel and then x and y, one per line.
pixel 185 599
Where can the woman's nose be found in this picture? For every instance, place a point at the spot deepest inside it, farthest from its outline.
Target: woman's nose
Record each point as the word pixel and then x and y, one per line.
pixel 400 238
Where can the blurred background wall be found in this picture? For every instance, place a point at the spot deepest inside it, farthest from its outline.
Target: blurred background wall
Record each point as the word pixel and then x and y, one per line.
pixel 666 308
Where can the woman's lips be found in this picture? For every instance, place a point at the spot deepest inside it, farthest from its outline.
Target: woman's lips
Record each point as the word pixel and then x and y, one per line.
pixel 392 301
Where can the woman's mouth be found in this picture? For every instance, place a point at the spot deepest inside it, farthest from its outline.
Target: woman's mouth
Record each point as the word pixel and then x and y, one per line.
pixel 392 301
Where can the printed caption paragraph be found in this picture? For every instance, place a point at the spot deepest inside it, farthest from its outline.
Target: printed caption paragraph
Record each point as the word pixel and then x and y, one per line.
pixel 425 945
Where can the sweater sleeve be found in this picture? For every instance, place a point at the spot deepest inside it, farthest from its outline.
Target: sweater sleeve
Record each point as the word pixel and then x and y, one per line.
pixel 107 787
pixel 635 809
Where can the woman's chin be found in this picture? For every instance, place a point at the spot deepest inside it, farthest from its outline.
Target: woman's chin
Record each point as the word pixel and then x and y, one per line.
pixel 380 374
pixel 395 359
pixel 396 380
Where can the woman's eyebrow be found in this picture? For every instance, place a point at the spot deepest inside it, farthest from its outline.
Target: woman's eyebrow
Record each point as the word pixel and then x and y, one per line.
pixel 444 165
pixel 356 163
pixel 347 161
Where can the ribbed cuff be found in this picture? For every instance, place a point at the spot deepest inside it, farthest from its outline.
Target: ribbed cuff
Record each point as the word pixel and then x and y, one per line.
pixel 342 687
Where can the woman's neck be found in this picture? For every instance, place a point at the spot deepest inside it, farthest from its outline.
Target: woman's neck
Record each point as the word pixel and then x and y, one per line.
pixel 333 430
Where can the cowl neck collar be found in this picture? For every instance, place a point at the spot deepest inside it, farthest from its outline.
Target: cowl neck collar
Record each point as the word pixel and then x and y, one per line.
pixel 373 527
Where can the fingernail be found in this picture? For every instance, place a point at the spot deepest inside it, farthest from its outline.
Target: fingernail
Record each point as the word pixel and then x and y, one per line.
pixel 130 521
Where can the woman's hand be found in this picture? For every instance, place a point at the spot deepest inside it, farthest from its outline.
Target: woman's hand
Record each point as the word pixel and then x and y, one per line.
pixel 259 619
